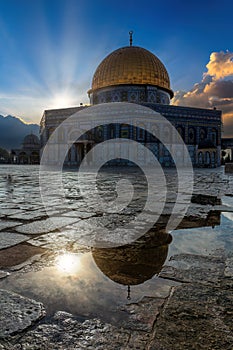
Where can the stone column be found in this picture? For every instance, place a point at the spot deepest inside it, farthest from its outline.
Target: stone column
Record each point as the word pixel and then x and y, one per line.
pixel 85 152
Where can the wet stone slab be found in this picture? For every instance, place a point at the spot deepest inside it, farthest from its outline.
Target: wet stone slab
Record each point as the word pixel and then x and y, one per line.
pixel 79 214
pixel 28 215
pixel 138 340
pixel 205 199
pixel 143 314
pixel 3 274
pixel 44 226
pixel 195 317
pixel 15 257
pixel 229 267
pixel 228 274
pixel 223 208
pixel 17 313
pixel 9 239
pixel 9 211
pixel 5 224
pixel 66 332
pixel 67 239
pixel 108 230
pixel 195 268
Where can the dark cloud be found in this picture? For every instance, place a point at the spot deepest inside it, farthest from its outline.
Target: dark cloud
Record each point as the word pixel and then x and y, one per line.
pixel 220 88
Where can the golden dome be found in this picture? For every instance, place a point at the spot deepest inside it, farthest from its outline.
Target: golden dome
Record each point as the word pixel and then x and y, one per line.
pixel 131 65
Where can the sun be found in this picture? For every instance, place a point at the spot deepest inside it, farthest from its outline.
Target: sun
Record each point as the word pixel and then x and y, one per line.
pixel 61 100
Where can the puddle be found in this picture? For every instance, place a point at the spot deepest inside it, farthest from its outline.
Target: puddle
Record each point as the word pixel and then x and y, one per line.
pixel 97 283
pixel 204 240
pixel 75 284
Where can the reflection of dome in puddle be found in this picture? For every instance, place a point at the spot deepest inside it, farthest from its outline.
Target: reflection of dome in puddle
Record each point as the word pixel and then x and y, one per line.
pixel 135 263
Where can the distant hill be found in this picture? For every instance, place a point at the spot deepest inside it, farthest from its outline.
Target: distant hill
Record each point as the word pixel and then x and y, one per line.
pixel 13 130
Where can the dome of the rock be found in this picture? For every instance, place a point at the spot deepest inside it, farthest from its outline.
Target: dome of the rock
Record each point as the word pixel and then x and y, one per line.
pixel 131 65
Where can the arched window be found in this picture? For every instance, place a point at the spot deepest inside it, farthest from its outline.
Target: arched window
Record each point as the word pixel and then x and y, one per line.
pixel 181 131
pixel 23 158
pixel 34 158
pixel 200 158
pixel 191 136
pixel 207 158
pixel 202 134
pixel 141 132
pixel 99 133
pixel 112 133
pixel 124 131
pixel 214 136
pixel 214 158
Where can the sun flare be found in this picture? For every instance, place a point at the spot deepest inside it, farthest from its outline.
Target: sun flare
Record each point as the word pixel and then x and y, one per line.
pixel 61 101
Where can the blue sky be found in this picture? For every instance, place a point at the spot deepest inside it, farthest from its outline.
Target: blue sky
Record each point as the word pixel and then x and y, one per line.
pixel 50 49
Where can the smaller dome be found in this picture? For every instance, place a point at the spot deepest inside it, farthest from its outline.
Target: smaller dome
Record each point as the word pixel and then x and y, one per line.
pixel 31 141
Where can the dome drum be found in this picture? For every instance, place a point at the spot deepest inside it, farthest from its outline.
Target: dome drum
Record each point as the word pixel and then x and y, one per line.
pixel 130 93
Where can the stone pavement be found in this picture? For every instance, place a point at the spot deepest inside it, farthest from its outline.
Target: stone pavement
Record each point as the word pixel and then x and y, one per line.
pixel 195 313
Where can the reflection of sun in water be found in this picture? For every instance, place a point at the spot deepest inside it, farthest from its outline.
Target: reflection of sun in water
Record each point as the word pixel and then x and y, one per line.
pixel 69 263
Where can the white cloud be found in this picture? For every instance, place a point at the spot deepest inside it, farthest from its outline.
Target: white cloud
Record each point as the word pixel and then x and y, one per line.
pixel 220 65
pixel 214 90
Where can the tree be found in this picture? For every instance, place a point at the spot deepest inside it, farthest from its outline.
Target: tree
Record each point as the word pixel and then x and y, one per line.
pixel 4 156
